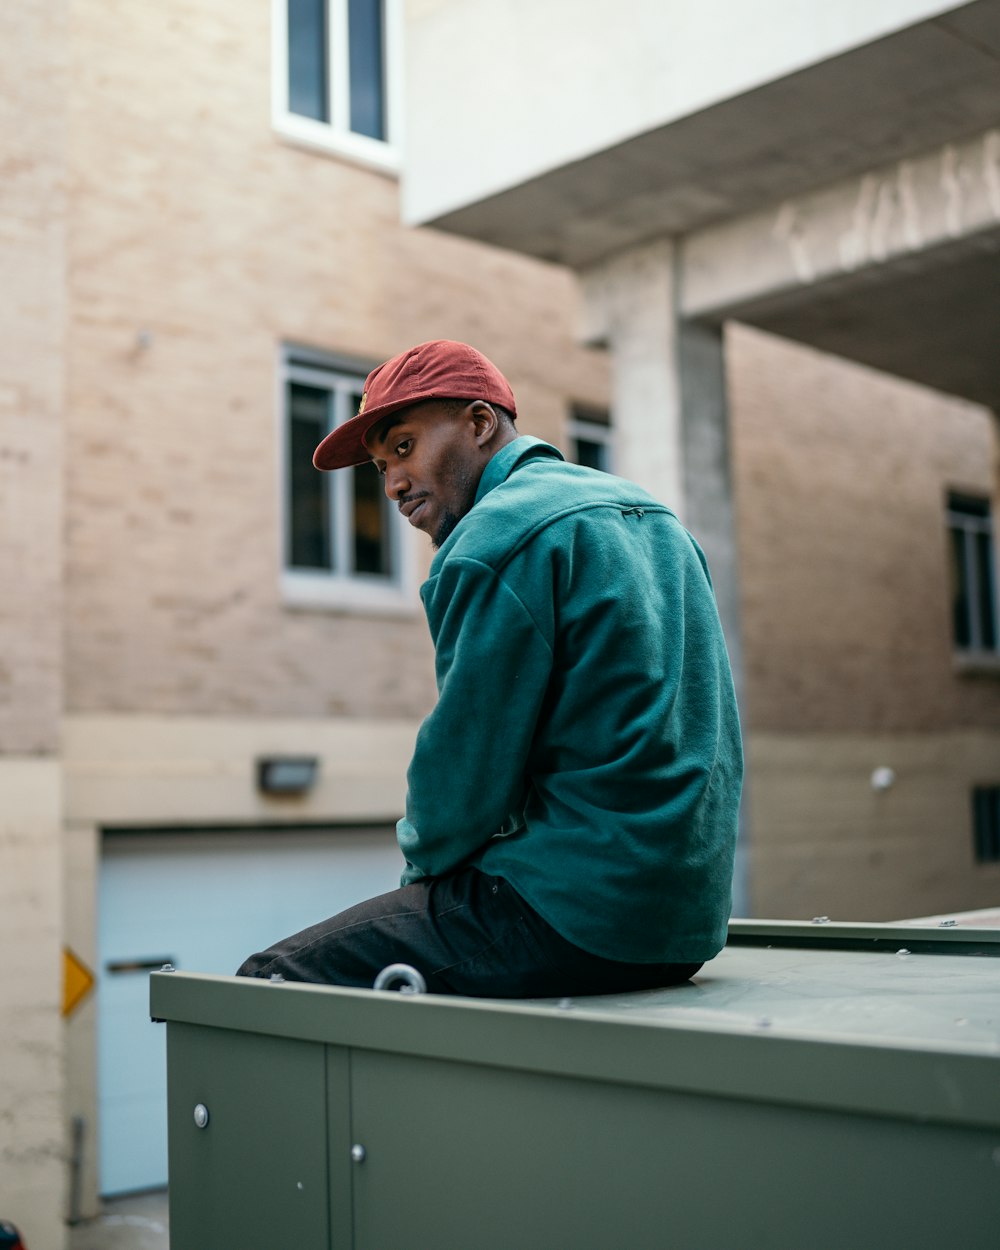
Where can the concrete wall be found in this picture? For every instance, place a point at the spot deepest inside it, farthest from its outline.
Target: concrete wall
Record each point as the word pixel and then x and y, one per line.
pixel 136 770
pixel 841 480
pixel 32 261
pixel 32 329
pixel 841 476
pixel 554 83
pixel 828 844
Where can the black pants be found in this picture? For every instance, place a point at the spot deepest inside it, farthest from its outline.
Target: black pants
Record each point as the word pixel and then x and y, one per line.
pixel 467 933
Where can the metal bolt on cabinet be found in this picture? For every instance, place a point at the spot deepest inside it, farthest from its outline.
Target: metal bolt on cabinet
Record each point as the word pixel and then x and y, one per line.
pixel 815 1086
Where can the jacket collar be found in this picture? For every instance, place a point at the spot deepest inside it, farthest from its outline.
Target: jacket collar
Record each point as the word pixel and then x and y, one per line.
pixel 508 458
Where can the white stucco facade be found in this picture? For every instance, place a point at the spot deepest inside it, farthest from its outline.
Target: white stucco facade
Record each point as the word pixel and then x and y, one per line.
pixel 502 91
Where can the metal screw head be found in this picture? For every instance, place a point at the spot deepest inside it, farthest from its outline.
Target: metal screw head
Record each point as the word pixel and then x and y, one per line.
pixel 358 1153
pixel 201 1115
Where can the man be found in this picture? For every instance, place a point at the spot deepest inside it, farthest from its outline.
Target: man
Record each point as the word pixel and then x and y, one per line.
pixel 572 798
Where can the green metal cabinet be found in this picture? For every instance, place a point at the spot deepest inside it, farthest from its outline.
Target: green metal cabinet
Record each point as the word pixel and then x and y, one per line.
pixel 257 1173
pixel 813 1087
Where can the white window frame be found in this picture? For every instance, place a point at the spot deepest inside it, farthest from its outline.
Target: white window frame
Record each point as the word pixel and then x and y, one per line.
pixel 395 595
pixel 335 136
pixel 593 430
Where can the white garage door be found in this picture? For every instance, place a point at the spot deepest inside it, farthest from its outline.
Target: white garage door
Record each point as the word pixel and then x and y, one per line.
pixel 204 902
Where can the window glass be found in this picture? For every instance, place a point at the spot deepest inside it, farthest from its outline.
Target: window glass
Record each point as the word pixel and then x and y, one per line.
pixel 590 438
pixel 371 516
pixel 591 455
pixel 973 573
pixel 307 43
pixel 366 61
pixel 983 564
pixel 986 823
pixel 967 506
pixel 371 536
pixel 309 514
pixel 959 590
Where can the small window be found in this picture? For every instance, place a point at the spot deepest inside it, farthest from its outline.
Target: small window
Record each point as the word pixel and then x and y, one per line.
pixel 973 573
pixel 344 543
pixel 986 823
pixel 335 73
pixel 591 438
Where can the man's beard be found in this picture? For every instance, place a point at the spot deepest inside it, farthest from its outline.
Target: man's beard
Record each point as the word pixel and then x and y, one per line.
pixel 448 522
pixel 465 495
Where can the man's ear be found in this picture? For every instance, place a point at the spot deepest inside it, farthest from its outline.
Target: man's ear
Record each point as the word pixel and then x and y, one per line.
pixel 485 421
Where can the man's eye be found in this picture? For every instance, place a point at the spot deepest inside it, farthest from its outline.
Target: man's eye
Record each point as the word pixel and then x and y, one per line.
pixel 403 448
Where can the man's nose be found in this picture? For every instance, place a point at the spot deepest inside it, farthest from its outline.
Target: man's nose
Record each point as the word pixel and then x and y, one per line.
pixel 397 483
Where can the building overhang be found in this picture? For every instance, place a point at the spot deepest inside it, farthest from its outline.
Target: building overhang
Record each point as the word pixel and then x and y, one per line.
pixel 919 87
pixel 934 320
pixel 898 269
pixel 853 205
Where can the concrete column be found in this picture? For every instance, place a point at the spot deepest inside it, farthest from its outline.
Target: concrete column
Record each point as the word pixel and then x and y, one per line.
pixel 671 422
pixel 629 304
pixel 701 373
pixel 708 489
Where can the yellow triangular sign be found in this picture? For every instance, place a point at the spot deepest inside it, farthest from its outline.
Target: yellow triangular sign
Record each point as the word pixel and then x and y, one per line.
pixel 78 981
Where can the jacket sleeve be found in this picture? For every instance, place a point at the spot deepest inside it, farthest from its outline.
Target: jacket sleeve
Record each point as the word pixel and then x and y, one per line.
pixel 469 768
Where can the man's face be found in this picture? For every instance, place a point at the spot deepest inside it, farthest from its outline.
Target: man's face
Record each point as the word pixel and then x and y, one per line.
pixel 431 457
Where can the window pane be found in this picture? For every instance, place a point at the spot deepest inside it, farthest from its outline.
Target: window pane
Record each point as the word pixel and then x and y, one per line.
pixel 307 93
pixel 968 506
pixel 309 515
pixel 364 23
pixel 994 827
pixel 591 455
pixel 959 590
pixel 987 597
pixel 986 823
pixel 371 538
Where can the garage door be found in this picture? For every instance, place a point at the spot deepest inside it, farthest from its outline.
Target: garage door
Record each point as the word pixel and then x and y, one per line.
pixel 203 902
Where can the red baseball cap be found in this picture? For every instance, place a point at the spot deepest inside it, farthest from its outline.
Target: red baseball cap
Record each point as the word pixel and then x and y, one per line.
pixel 440 369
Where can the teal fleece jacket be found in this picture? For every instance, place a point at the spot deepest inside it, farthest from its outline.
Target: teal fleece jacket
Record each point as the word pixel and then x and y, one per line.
pixel 585 745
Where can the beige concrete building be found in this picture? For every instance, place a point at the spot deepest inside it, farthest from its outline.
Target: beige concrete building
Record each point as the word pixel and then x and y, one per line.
pixel 202 255
pixel 842 478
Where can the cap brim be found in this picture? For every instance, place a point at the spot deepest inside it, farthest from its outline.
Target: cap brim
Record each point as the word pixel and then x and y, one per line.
pixel 345 446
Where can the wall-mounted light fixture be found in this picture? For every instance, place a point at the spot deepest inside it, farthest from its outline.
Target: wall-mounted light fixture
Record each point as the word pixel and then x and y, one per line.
pixel 287 774
pixel 883 779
